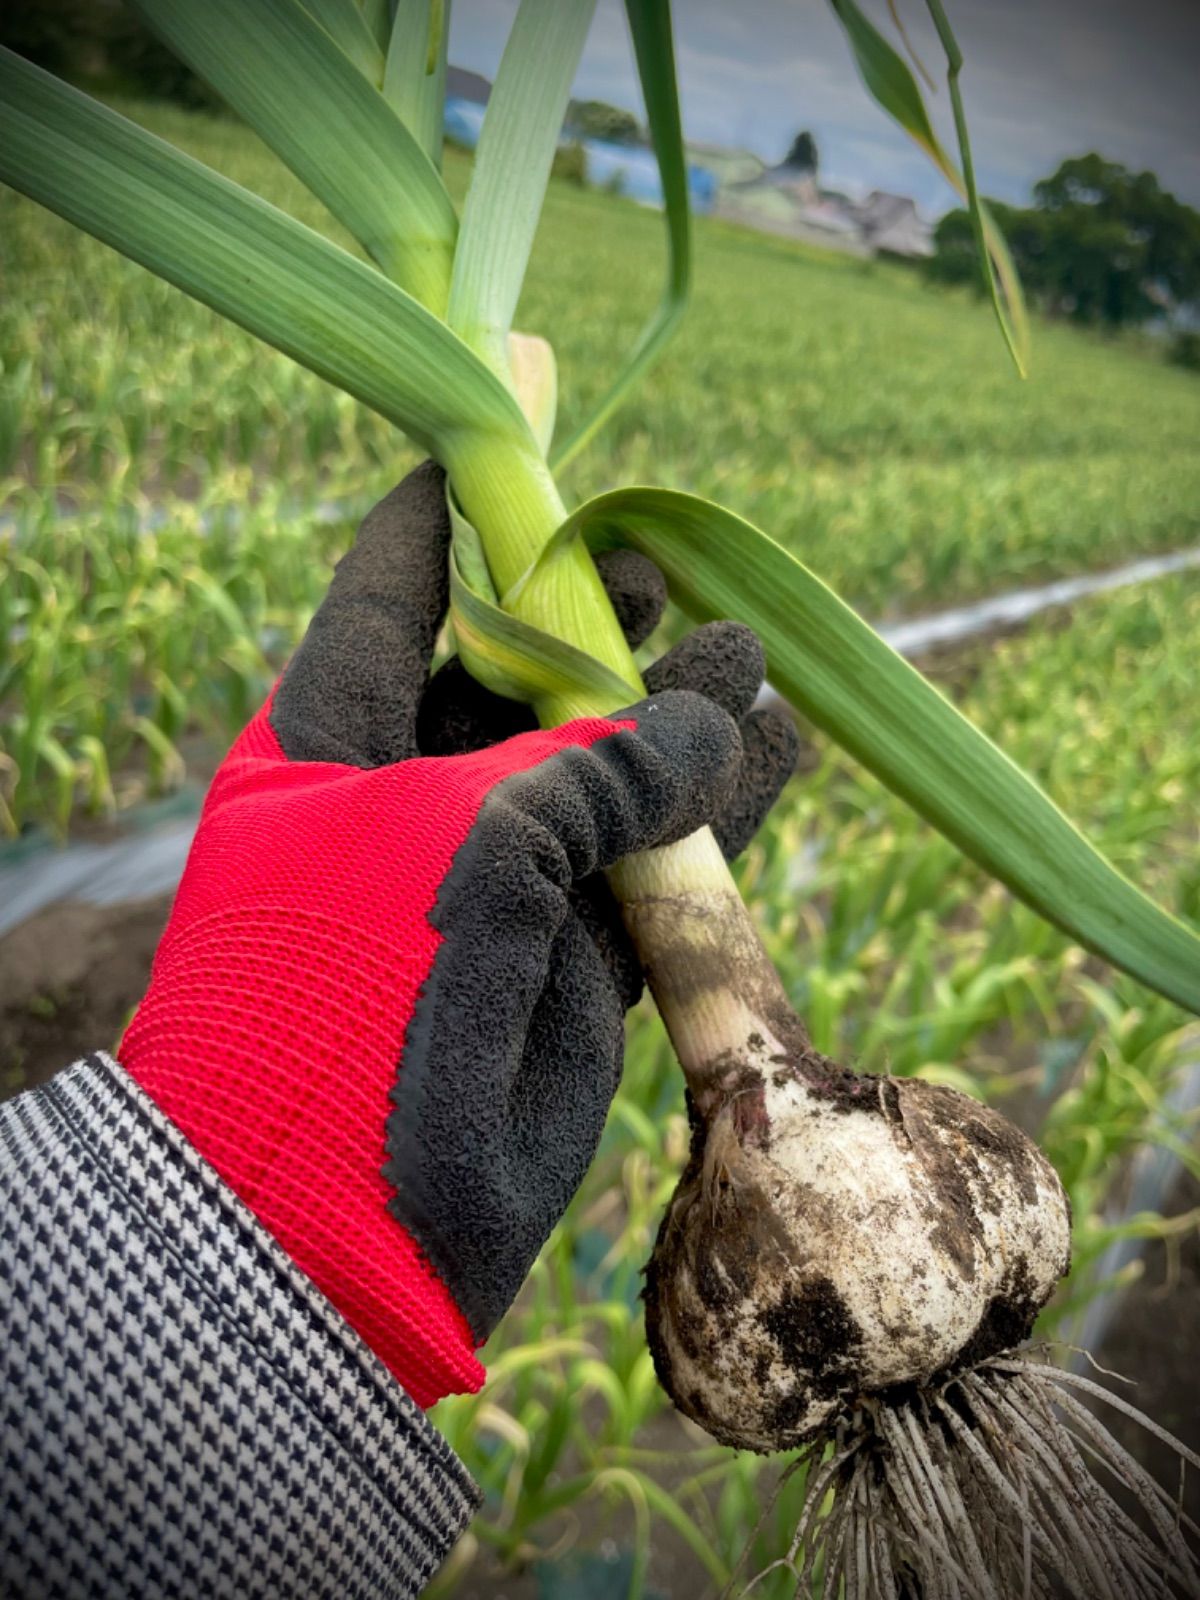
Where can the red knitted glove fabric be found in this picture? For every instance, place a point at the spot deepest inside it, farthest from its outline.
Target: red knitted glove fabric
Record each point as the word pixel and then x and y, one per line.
pixel 279 1001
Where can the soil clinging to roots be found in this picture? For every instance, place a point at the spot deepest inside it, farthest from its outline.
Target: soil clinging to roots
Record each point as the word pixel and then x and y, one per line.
pixel 845 1268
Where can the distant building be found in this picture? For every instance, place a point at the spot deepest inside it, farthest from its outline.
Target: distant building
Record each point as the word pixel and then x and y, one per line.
pixel 788 200
pixel 892 223
pixel 785 199
pixel 727 166
pixel 632 170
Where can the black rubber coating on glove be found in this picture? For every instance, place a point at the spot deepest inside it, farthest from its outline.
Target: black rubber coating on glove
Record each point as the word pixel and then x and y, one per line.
pixel 722 660
pixel 458 714
pixel 770 750
pixel 637 590
pixel 350 693
pixel 514 1051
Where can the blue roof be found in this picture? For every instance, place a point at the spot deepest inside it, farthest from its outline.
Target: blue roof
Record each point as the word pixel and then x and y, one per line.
pixel 632 167
pixel 463 120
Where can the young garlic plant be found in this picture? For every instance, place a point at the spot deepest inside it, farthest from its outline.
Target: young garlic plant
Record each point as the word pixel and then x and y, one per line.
pixel 847 1259
pixel 832 1235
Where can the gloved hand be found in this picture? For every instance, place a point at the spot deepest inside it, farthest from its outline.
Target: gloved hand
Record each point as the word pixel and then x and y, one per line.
pixel 388 1005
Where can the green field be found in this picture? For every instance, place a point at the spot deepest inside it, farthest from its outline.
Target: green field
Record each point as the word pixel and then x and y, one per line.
pixel 870 423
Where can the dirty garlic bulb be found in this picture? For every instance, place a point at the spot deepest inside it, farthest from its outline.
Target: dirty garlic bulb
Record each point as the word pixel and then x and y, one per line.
pixel 836 1236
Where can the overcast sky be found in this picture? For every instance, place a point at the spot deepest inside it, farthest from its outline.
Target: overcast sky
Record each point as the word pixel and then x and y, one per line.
pixel 1043 79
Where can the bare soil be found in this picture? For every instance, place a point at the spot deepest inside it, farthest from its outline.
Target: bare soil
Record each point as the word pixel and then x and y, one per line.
pixel 69 979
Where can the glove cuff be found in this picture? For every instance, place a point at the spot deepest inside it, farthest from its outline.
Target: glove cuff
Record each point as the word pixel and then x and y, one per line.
pixel 183 1413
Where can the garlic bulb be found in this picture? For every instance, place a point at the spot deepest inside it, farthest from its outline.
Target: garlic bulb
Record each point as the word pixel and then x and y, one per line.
pixel 834 1236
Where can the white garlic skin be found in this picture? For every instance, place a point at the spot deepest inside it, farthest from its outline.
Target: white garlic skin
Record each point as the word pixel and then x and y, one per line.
pixel 834 1236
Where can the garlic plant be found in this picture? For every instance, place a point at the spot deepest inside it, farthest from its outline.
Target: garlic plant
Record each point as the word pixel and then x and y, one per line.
pixel 845 1258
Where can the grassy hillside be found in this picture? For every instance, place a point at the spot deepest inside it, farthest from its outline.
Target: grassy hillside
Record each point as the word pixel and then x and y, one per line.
pixel 867 421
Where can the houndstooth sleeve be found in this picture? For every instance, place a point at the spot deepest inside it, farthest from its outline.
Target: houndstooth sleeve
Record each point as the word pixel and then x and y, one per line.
pixel 181 1413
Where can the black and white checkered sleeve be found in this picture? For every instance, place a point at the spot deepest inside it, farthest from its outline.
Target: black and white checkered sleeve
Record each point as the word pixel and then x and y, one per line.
pixel 181 1412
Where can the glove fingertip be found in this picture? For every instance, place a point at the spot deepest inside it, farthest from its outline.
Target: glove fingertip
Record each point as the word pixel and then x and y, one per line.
pixel 722 660
pixel 637 591
pixel 697 741
pixel 350 691
pixel 770 751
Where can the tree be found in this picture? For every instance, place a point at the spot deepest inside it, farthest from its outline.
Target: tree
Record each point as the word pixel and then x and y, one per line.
pixel 46 34
pixel 803 154
pixel 596 119
pixel 1101 244
pixel 570 163
pixel 89 39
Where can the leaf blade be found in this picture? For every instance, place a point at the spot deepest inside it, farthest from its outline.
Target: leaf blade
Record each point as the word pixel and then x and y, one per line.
pixel 350 31
pixel 653 42
pixel 841 674
pixel 515 659
pixel 986 232
pixel 891 85
pixel 245 258
pixel 512 165
pixel 415 94
pixel 887 78
pixel 266 58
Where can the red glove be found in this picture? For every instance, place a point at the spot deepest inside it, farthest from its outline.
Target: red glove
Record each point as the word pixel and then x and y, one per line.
pixel 388 1006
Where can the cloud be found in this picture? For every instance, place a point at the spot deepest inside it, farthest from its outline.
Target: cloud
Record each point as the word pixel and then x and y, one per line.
pixel 1041 82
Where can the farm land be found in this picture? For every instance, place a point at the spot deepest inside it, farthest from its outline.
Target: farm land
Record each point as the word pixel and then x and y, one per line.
pixel 173 496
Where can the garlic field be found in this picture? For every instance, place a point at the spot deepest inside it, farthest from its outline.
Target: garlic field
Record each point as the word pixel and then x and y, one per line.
pixel 173 496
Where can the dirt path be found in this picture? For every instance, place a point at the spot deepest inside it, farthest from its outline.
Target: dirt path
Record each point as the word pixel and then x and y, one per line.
pixel 69 978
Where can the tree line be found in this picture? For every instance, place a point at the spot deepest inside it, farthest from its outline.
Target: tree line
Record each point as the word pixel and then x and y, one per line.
pixel 1101 245
pixel 105 44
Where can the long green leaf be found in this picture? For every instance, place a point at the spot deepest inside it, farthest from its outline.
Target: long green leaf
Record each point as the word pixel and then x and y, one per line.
pixel 650 26
pixel 886 76
pixel 512 165
pixel 281 71
pixel 248 260
pixel 350 31
pixel 892 86
pixel 377 15
pixel 981 220
pixel 841 674
pixel 416 93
